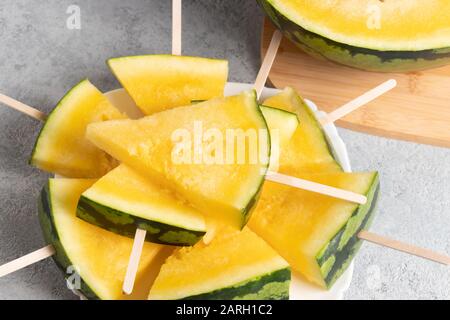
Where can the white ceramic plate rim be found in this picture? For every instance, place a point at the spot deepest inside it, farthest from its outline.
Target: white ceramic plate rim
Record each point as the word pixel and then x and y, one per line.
pixel 300 289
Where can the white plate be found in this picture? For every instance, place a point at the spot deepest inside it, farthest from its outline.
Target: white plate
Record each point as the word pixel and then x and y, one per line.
pixel 300 289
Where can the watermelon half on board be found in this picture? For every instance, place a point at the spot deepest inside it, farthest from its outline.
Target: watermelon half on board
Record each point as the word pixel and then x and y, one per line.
pixel 384 36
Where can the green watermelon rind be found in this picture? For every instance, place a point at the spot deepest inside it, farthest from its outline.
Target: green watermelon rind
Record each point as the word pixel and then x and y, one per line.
pixel 271 286
pixel 125 224
pixel 362 58
pixel 337 254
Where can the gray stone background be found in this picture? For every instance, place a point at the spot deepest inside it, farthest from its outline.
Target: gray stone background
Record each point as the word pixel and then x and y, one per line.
pixel 40 59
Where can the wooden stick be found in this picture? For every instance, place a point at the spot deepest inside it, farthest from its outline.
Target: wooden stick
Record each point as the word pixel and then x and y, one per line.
pixel 176 27
pixel 358 102
pixel 268 62
pixel 26 260
pixel 404 247
pixel 21 107
pixel 133 263
pixel 316 187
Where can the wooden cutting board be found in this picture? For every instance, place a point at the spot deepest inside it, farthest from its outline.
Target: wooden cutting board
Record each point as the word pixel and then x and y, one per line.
pixel 417 110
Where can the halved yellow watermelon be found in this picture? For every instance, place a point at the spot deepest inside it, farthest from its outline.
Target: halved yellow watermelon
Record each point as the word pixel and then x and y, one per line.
pixel 392 36
pixel 123 200
pixel 316 234
pixel 181 148
pixel 61 147
pixel 100 257
pixel 308 150
pixel 235 265
pixel 160 82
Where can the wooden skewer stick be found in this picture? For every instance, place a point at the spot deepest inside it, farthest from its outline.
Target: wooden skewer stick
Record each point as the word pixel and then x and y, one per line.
pixel 139 238
pixel 176 27
pixel 267 63
pixel 316 187
pixel 133 263
pixel 404 247
pixel 358 102
pixel 19 106
pixel 26 260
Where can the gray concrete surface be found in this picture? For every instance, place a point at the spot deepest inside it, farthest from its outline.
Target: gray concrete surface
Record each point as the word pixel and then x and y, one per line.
pixel 40 58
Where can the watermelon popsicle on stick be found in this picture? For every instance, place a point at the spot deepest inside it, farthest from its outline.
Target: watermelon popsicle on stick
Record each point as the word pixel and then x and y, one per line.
pixel 96 255
pixel 252 270
pixel 61 147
